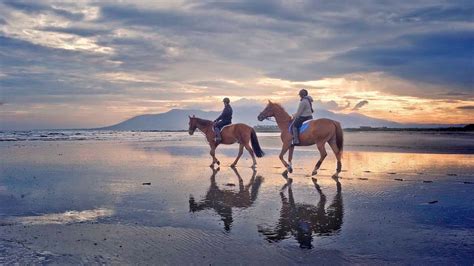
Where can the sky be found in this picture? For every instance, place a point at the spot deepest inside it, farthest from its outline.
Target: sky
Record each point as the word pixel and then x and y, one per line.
pixel 73 64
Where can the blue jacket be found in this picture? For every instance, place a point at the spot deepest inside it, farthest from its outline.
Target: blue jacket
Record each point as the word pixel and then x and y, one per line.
pixel 226 115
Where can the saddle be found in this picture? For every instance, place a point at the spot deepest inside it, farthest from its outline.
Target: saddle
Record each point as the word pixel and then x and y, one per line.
pixel 303 127
pixel 226 126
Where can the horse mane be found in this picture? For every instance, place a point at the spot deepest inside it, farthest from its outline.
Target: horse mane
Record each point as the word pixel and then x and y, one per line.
pixel 280 107
pixel 203 122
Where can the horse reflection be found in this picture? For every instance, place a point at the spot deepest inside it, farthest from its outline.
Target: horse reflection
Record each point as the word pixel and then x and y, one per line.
pixel 302 220
pixel 222 200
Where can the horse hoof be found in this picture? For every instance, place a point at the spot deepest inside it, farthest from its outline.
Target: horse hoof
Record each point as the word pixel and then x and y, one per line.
pixel 314 172
pixel 314 180
pixel 218 163
pixel 285 174
pixel 290 169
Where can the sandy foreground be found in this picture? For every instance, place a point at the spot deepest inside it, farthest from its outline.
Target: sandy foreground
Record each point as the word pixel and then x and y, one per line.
pixel 159 203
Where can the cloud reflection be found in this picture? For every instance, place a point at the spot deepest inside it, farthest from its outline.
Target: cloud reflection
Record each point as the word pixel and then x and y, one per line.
pixel 65 217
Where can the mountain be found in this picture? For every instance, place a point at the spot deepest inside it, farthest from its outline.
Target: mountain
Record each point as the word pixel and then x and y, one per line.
pixel 355 120
pixel 177 119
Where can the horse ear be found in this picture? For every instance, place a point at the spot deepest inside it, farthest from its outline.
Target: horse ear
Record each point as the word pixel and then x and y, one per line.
pixel 269 101
pixel 189 116
pixel 194 116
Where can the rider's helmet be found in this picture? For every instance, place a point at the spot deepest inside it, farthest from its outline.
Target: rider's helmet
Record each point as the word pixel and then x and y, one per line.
pixel 226 100
pixel 303 93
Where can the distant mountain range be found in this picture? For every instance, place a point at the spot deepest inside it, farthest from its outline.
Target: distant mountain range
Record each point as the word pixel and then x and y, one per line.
pixel 177 119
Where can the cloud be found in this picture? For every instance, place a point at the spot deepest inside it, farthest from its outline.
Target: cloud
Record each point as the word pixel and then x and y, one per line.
pixel 80 31
pixel 147 56
pixel 27 26
pixel 439 14
pixel 360 105
pixel 425 57
pixel 330 105
pixel 466 107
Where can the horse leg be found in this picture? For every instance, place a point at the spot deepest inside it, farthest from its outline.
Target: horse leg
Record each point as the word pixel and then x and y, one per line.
pixel 323 154
pixel 213 155
pixel 337 152
pixel 241 150
pixel 249 149
pixel 290 156
pixel 284 149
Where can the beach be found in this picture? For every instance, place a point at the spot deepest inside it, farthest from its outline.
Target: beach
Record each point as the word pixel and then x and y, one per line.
pixel 151 198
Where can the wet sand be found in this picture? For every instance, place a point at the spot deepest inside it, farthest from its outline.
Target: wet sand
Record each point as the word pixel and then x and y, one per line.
pixel 159 202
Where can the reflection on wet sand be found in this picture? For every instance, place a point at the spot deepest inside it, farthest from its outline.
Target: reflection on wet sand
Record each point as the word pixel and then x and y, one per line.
pixel 67 217
pixel 222 201
pixel 302 220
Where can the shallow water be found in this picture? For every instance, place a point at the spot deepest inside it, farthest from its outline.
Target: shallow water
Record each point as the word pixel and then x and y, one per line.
pixel 419 142
pixel 387 207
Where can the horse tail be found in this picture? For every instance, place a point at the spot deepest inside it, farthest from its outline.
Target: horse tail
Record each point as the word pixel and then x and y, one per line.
pixel 255 145
pixel 339 137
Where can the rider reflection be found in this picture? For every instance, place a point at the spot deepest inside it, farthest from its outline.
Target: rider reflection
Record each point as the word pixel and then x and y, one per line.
pixel 302 220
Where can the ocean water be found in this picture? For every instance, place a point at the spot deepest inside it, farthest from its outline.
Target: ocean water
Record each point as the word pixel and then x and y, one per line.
pixel 427 142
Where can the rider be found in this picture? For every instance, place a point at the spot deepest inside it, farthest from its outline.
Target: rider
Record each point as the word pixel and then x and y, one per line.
pixel 304 112
pixel 223 120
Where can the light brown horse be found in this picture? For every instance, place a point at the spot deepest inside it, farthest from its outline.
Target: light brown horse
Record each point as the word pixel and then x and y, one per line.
pixel 234 133
pixel 320 132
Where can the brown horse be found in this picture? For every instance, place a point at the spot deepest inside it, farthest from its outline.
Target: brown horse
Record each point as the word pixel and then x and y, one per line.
pixel 320 132
pixel 234 133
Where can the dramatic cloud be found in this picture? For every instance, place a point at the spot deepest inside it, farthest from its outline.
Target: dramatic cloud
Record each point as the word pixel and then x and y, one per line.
pixel 427 57
pixel 360 105
pixel 92 63
pixel 331 105
pixel 467 107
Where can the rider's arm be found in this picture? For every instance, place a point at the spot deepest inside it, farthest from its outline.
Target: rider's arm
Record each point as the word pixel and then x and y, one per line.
pixel 219 118
pixel 300 110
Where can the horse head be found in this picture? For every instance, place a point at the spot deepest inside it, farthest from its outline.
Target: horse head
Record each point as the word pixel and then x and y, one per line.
pixel 267 112
pixel 192 125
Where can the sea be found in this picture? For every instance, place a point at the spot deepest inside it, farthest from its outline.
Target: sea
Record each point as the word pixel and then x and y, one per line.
pixel 396 141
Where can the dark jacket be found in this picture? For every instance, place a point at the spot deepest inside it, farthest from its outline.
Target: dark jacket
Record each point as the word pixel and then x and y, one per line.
pixel 226 115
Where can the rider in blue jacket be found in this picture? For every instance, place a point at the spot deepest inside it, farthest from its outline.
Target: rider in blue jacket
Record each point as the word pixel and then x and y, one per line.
pixel 224 119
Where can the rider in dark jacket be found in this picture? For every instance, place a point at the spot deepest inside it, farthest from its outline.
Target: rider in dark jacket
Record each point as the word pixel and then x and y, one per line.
pixel 224 119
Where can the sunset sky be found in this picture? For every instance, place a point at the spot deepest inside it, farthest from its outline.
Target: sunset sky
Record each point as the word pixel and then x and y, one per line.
pixel 71 64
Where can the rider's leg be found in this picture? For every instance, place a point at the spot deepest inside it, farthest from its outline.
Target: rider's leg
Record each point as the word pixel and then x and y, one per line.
pixel 295 130
pixel 217 131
